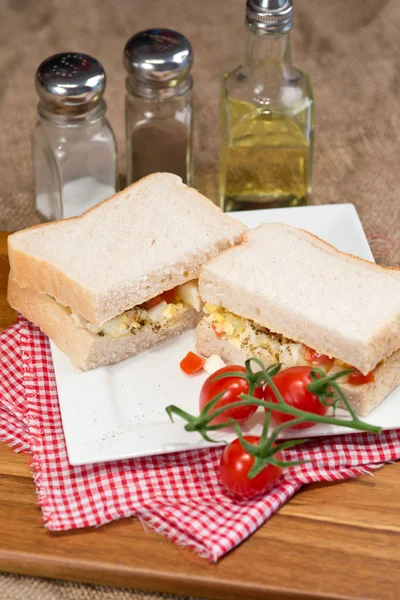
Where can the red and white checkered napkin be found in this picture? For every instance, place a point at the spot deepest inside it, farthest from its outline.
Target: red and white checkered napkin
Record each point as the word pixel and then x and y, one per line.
pixel 177 495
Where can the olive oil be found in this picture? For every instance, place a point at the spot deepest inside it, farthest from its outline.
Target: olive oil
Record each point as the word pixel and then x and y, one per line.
pixel 267 160
pixel 267 118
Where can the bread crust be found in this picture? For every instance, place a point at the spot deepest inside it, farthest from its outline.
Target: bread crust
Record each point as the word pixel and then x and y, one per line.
pixel 111 198
pixel 31 269
pixel 321 242
pixel 363 398
pixel 86 350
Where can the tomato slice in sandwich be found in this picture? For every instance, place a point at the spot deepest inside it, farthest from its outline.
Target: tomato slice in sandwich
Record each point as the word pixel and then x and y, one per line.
pixel 168 296
pixel 357 378
pixel 318 359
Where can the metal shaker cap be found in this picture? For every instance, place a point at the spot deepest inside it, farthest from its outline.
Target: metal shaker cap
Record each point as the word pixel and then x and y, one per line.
pixel 273 16
pixel 158 57
pixel 70 83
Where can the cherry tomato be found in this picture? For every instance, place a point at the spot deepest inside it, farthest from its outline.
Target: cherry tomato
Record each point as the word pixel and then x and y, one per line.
pixel 234 466
pixel 192 363
pixel 357 378
pixel 318 359
pixel 292 384
pixel 168 296
pixel 232 388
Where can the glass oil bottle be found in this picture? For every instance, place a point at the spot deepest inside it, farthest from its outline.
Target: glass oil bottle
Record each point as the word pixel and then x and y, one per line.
pixel 267 120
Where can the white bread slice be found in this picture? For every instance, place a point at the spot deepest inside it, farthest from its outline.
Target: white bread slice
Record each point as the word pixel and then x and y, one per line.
pixel 151 237
pixel 86 350
pixel 363 398
pixel 293 283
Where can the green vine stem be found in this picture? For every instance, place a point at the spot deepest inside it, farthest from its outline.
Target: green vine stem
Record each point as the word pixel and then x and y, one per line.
pixel 197 423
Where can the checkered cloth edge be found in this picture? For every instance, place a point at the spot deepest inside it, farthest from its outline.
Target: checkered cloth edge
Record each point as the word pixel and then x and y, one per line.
pixel 177 495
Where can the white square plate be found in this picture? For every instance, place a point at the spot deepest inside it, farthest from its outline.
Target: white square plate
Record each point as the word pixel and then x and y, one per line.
pixel 118 411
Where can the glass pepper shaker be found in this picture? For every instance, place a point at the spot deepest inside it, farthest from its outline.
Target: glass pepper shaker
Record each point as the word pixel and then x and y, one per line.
pixel 158 104
pixel 74 148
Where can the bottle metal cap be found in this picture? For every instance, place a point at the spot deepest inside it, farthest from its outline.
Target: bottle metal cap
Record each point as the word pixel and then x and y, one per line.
pixel 70 83
pixel 273 16
pixel 158 57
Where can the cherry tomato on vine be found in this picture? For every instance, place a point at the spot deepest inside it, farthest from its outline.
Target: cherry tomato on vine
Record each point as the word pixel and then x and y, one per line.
pixel 292 384
pixel 232 388
pixel 235 465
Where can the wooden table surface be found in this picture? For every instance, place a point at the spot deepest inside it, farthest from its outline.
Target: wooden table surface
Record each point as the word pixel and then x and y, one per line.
pixel 330 541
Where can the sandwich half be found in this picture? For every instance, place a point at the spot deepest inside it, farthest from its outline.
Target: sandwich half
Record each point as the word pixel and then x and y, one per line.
pixel 286 296
pixel 123 276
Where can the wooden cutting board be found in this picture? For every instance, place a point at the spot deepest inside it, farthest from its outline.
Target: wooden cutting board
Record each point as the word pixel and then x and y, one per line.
pixel 337 540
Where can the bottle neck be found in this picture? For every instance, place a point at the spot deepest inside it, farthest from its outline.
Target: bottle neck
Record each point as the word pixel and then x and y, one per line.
pixel 268 50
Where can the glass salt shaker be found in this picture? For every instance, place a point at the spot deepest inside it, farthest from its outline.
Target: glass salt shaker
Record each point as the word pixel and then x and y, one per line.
pixel 74 148
pixel 158 104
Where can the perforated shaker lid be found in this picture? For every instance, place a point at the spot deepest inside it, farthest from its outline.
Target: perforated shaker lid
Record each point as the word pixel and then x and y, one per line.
pixel 158 57
pixel 70 82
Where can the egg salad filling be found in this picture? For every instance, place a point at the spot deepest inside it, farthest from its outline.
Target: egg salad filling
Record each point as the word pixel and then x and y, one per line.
pixel 249 337
pixel 253 340
pixel 162 314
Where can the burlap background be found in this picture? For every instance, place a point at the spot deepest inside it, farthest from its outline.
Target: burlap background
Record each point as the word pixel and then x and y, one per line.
pixel 14 587
pixel 349 47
